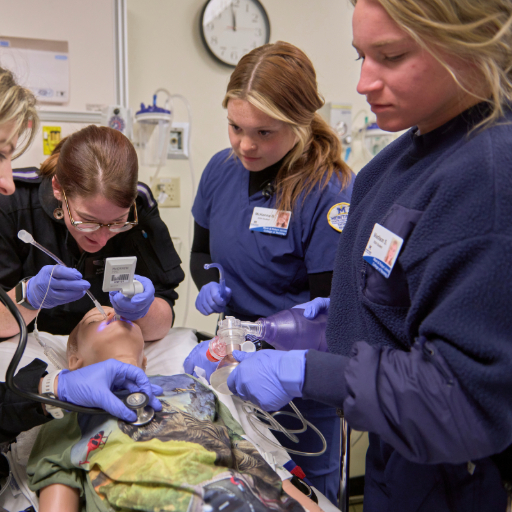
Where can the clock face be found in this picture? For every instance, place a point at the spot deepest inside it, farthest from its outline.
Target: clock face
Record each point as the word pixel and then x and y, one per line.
pixel 232 28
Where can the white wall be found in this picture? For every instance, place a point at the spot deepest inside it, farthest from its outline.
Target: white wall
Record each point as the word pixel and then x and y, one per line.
pixel 165 50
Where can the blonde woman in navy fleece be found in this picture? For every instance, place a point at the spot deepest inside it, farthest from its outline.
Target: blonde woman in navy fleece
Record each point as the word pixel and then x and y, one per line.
pixel 421 349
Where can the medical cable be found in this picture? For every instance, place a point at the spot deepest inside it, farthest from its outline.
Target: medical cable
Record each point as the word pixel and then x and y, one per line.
pixel 26 237
pixel 255 415
pixel 48 351
pixel 15 361
pixel 192 194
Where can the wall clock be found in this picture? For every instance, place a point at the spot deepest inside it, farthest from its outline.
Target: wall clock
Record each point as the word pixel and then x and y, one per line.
pixel 232 28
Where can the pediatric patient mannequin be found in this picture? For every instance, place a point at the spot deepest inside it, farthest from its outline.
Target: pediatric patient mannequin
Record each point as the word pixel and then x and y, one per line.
pixel 190 456
pixel 95 339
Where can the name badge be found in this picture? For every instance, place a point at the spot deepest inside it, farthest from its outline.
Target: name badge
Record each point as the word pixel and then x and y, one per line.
pixel 382 249
pixel 268 220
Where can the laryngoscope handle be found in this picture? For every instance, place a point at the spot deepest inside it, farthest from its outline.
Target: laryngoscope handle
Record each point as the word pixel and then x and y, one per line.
pixel 16 358
pixel 222 281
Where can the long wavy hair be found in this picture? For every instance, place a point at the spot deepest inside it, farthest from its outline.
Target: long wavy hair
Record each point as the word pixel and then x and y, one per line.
pixel 18 104
pixel 280 80
pixel 477 32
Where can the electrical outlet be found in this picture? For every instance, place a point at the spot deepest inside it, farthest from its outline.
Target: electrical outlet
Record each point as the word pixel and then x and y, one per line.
pixel 166 192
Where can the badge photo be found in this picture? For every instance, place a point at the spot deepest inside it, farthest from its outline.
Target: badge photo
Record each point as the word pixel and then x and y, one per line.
pixel 270 220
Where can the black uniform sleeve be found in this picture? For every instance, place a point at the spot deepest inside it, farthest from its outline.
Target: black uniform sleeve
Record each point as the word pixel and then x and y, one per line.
pixel 18 414
pixel 320 284
pixel 200 255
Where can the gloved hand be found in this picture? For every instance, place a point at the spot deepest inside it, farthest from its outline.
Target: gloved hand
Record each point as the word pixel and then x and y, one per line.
pixel 315 306
pixel 92 386
pixel 268 378
pixel 197 357
pixel 66 285
pixel 137 306
pixel 210 300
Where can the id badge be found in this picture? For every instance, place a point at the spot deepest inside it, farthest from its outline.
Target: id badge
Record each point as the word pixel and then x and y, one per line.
pixel 269 220
pixel 382 250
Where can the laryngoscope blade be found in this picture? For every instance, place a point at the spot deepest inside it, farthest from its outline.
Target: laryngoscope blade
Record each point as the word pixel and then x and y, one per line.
pixel 26 237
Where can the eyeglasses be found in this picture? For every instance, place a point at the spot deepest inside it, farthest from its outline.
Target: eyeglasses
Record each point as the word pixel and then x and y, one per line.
pixel 115 227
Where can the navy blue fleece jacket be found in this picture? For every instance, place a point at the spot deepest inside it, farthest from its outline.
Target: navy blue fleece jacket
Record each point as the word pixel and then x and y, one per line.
pixel 426 355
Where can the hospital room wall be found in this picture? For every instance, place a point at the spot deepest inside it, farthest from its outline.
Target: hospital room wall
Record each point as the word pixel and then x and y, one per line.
pixel 165 50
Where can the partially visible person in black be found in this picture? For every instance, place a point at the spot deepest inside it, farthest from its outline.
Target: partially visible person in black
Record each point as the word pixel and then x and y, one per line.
pixel 18 125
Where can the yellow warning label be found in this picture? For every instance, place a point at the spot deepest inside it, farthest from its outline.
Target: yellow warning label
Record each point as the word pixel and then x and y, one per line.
pixel 51 137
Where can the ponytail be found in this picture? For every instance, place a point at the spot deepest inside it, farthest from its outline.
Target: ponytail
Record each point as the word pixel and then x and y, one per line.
pixel 280 81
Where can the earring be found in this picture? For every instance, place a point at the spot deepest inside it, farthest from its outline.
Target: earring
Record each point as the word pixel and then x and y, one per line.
pixel 58 213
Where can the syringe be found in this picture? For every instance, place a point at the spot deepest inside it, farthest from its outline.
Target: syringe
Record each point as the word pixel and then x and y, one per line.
pixel 26 237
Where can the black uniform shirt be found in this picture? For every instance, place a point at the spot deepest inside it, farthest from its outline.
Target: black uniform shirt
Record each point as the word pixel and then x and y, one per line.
pixel 31 208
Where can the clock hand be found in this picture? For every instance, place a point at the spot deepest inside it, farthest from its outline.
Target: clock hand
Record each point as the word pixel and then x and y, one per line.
pixel 234 17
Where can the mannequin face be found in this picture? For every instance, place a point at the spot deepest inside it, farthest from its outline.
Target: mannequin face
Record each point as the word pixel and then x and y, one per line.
pixel 8 141
pixel 258 140
pixel 92 209
pixel 99 340
pixel 404 84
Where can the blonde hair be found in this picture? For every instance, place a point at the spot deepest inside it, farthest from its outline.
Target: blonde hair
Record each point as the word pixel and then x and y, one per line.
pixel 280 80
pixel 476 32
pixel 19 105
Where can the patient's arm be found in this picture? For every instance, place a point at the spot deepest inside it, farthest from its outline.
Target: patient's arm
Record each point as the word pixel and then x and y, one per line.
pixel 58 498
pixel 292 491
pixel 157 322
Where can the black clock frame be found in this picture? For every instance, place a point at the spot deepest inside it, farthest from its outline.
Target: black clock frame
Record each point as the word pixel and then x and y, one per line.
pixel 203 38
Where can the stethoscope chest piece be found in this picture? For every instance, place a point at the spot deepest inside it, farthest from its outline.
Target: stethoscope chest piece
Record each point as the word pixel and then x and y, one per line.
pixel 138 402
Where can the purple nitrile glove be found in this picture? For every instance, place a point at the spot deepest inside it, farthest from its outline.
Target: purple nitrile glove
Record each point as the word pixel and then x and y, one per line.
pixel 315 306
pixel 268 378
pixel 92 386
pixel 133 308
pixel 197 357
pixel 211 299
pixel 66 285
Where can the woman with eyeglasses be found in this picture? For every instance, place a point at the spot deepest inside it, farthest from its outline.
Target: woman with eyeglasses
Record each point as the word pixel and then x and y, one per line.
pixel 89 387
pixel 85 205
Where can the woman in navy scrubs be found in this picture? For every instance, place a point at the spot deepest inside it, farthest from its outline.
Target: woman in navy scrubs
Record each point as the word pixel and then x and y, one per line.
pixel 283 157
pixel 421 350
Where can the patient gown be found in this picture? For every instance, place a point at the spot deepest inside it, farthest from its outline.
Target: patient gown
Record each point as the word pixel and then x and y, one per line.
pixel 191 457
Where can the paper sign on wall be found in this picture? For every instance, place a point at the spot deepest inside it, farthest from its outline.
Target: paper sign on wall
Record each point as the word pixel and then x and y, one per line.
pixel 41 65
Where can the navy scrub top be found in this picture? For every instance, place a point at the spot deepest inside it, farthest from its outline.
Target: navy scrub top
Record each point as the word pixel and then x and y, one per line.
pixel 31 208
pixel 266 273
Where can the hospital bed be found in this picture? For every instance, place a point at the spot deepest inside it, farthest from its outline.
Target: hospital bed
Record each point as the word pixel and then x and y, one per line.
pixel 164 357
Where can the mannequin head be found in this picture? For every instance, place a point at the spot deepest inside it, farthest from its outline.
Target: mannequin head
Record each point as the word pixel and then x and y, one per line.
pixel 94 340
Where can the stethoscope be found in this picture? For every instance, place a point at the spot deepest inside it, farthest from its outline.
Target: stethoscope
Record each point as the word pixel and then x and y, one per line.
pixel 137 401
